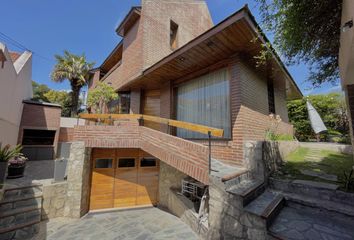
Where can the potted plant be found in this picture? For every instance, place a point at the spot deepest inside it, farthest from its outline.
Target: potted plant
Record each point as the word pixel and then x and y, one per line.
pixel 6 153
pixel 16 166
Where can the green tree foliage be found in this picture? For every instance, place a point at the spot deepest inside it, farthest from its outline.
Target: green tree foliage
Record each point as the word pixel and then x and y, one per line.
pixel 99 97
pixel 62 98
pixel 306 31
pixel 332 110
pixel 39 90
pixel 75 69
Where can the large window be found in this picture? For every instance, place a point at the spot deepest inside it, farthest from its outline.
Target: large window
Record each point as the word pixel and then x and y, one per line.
pixel 206 101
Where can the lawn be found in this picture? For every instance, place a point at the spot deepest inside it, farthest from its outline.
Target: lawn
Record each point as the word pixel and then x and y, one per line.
pixel 321 162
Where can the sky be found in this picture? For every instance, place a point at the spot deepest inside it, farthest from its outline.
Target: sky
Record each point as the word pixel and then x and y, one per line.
pixel 48 27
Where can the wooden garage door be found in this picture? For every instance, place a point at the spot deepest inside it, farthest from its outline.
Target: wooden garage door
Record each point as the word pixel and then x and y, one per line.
pixel 131 180
pixel 152 107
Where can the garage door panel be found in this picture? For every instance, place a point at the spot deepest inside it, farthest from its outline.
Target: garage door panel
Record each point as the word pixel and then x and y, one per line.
pixel 123 184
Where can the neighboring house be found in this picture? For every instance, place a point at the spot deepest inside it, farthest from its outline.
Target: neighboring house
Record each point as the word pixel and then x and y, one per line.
pixel 346 57
pixel 15 86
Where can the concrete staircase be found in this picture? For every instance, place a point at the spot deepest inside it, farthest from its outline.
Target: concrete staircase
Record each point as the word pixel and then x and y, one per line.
pixel 20 212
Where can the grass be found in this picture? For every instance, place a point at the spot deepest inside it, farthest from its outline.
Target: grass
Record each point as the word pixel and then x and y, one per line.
pixel 333 163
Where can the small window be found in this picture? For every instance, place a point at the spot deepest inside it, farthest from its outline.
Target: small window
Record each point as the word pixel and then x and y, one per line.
pixel 126 163
pixel 38 137
pixel 103 163
pixel 173 35
pixel 271 104
pixel 148 162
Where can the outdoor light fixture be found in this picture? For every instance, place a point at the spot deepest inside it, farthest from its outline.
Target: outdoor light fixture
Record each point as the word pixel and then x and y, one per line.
pixel 182 59
pixel 109 83
pixel 347 25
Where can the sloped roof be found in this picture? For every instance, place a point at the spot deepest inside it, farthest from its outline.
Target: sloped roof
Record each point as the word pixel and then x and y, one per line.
pixel 14 56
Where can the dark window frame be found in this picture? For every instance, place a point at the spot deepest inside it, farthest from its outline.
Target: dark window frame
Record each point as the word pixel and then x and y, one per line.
pixel 271 98
pixel 173 35
pixel 148 159
pixel 126 167
pixel 110 166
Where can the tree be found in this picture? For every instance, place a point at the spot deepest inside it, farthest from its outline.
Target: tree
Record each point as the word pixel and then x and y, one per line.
pixel 39 90
pixel 99 97
pixel 62 98
pixel 75 69
pixel 306 31
pixel 331 108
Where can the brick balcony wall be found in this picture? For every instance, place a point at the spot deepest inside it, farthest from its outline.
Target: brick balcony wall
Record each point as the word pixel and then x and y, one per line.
pixel 186 156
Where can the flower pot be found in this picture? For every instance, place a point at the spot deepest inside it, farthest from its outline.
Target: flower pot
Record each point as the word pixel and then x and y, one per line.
pixel 15 171
pixel 3 168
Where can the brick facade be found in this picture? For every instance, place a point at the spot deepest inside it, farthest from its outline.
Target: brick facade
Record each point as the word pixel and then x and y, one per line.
pixel 186 156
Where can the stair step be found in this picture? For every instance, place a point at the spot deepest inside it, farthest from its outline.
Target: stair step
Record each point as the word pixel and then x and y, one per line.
pixel 20 198
pixel 20 220
pixel 17 192
pixel 248 190
pixel 311 223
pixel 267 206
pixel 15 211
pixel 21 203
pixel 320 203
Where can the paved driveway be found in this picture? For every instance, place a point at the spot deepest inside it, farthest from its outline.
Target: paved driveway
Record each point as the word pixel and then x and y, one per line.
pixel 142 224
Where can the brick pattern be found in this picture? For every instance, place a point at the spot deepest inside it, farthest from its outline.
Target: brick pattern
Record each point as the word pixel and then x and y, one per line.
pixel 40 117
pixel 192 17
pixel 148 41
pixel 66 134
pixel 132 60
pixel 186 156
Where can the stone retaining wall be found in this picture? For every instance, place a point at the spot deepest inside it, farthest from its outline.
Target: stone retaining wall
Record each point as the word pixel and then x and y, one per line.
pixel 54 198
pixel 227 219
pixel 341 148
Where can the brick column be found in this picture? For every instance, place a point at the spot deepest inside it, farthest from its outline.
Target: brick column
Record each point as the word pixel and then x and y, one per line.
pixel 135 100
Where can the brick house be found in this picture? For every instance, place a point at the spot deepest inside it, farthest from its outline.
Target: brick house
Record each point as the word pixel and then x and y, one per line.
pixel 174 64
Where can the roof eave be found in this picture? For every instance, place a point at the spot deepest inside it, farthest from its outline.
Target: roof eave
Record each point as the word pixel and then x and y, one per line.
pixel 120 28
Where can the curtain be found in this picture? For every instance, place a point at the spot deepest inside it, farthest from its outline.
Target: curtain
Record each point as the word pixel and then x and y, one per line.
pixel 205 100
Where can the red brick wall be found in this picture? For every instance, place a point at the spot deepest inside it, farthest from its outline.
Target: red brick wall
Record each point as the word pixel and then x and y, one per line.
pixel 186 156
pixel 43 117
pixel 66 134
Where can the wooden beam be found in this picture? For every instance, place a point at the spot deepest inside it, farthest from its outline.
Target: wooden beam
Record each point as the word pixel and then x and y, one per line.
pixel 174 123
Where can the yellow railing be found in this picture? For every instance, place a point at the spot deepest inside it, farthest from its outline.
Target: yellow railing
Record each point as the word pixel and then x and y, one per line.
pixel 173 123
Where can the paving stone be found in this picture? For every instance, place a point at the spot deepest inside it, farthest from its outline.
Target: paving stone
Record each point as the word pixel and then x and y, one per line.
pixel 312 234
pixel 300 225
pixel 321 175
pixel 317 184
pixel 144 224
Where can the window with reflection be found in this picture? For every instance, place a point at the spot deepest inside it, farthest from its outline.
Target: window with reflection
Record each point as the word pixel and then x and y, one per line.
pixel 103 163
pixel 126 163
pixel 206 101
pixel 148 162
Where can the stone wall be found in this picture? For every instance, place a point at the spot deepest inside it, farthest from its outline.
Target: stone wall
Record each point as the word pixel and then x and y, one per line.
pixel 227 219
pixel 169 178
pixel 264 157
pixel 76 204
pixel 54 197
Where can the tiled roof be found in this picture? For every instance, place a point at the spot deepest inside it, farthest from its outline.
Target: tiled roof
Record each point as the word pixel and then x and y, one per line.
pixel 14 56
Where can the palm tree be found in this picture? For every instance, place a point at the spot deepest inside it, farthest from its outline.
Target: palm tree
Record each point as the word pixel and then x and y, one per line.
pixel 75 69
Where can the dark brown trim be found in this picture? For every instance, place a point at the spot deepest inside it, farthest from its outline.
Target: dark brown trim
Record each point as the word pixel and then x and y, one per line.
pixel 133 10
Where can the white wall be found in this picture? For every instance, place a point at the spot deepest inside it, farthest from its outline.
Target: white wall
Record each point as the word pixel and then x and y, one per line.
pixel 15 86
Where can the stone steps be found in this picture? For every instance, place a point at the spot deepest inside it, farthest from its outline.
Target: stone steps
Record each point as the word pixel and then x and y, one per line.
pixel 20 212
pixel 266 206
pixel 248 190
pixel 297 221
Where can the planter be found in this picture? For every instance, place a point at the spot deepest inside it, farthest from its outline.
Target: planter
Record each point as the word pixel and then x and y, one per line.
pixel 15 171
pixel 3 168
